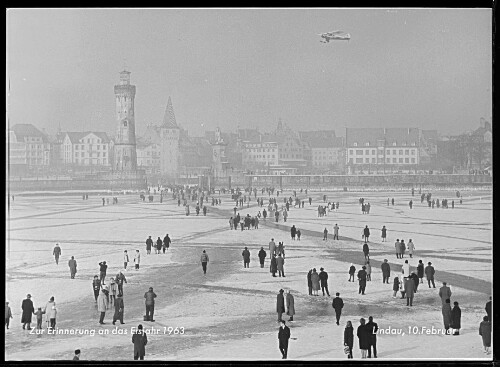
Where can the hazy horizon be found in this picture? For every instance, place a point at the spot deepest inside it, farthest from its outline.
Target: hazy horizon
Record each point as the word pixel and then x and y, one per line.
pixel 425 68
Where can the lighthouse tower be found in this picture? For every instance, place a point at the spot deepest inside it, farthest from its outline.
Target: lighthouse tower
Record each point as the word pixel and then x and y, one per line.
pixel 125 154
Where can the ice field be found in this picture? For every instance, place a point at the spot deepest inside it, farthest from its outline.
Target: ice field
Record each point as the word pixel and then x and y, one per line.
pixel 229 313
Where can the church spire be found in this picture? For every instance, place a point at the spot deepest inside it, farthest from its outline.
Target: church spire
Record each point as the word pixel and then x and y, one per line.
pixel 169 121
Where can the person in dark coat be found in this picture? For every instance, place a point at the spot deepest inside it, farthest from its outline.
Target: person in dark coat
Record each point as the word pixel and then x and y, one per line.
pixel 349 338
pixel 414 277
pixel 57 252
pixel 149 243
pixel 119 309
pixel 76 357
pixel 150 304
pixel 446 311
pixel 352 271
pixel 274 265
pixel 444 293
pixel 290 305
pixel 119 279
pixel 28 310
pixel 488 309
pixel 362 280
pixel 429 273
pixel 323 278
pixel 204 261
pixel 293 232
pixel 485 332
pixel 420 271
pixel 456 315
pixel 159 245
pixel 166 242
pixel 337 305
pixel 395 286
pixel 246 258
pixel 102 271
pixel 283 337
pixel 364 338
pixel 366 251
pixel 410 291
pixel 140 340
pixel 280 304
pixel 366 234
pixel 72 267
pixel 372 328
pixel 309 282
pixel 386 271
pixel 262 256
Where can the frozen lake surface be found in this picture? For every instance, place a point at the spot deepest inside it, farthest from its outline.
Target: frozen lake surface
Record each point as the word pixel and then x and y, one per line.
pixel 229 313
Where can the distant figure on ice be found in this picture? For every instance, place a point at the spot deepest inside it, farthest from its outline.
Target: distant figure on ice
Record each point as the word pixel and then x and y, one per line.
pixel 446 311
pixel 372 328
pixel 398 249
pixel 336 232
pixel 444 293
pixel 362 280
pixel 119 279
pixel 159 244
pixel 96 286
pixel 57 253
pixel 125 259
pixel 298 234
pixel 149 243
pixel 309 281
pixel 366 251
pixel 386 271
pixel 293 232
pixel 280 262
pixel 166 242
pixel 366 234
pixel 137 259
pixel 315 282
pixel 411 247
pixel 72 267
pixel 204 261
pixel 352 271
pixel 262 256
pixel 325 234
pixel 102 271
pixel 101 306
pixel 274 265
pixel 272 248
pixel 8 314
pixel 323 277
pixel 246 258
pixel 290 305
pixel 456 316
pixel 363 337
pixel 119 309
pixel 150 304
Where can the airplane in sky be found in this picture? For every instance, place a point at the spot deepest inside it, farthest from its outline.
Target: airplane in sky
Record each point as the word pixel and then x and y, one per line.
pixel 334 36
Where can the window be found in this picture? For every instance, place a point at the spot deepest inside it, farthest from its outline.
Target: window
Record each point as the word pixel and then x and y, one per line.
pixel 359 160
pixel 407 152
pixel 367 160
pixel 373 152
pixel 373 160
pixel 388 151
pixel 388 160
pixel 407 160
pixel 359 152
pixel 367 144
pixel 354 144
pixel 394 160
pixel 413 160
pixel 413 152
pixel 400 151
pixel 125 123
pixel 351 152
pixel 400 160
pixel 367 151
pixel 394 144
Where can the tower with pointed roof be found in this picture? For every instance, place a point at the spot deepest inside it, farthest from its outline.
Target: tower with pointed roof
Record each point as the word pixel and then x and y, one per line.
pixel 125 154
pixel 169 135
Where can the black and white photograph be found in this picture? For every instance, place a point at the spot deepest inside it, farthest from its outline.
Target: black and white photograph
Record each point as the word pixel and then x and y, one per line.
pixel 168 168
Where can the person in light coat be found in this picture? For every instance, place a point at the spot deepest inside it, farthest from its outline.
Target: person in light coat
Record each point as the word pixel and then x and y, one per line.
pixel 411 247
pixel 47 309
pixel 137 259
pixel 290 305
pixel 272 248
pixel 315 282
pixel 446 311
pixel 125 259
pixel 406 268
pixel 444 293
pixel 280 261
pixel 101 306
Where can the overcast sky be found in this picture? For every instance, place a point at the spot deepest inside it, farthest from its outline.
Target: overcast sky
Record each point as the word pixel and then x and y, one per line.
pixel 426 68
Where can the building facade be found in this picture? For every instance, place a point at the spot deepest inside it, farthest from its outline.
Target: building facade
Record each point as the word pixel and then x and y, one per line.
pixel 125 154
pixel 375 149
pixel 28 146
pixel 86 149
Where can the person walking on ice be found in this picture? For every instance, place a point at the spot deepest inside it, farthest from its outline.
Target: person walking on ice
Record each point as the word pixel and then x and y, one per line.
pixel 204 261
pixel 57 252
pixel 366 234
pixel 384 234
pixel 137 259
pixel 283 337
pixel 336 232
